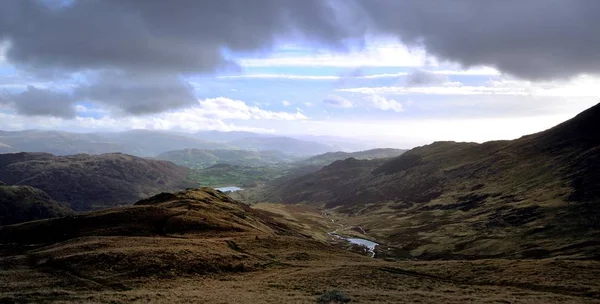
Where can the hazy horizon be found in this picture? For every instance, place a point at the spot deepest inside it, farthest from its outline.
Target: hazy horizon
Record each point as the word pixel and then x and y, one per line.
pixel 319 68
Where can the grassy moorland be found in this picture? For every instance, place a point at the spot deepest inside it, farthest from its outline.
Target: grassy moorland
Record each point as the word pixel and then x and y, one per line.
pixel 201 246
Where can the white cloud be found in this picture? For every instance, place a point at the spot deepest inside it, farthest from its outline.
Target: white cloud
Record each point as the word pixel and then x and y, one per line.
pixel 286 103
pixel 225 108
pixel 583 86
pixel 337 102
pixel 414 132
pixel 382 103
pixel 375 54
pixel 279 76
pixel 482 71
pixel 3 48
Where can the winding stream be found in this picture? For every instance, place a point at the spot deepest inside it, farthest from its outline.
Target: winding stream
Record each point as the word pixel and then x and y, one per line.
pixel 370 245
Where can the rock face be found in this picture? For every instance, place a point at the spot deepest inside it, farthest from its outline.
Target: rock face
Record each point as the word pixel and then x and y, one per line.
pixel 88 182
pixel 534 195
pixel 23 203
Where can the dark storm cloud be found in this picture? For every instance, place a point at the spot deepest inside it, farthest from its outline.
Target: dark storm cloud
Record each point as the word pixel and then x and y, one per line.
pixel 173 36
pixel 534 39
pixel 421 78
pixel 137 93
pixel 41 102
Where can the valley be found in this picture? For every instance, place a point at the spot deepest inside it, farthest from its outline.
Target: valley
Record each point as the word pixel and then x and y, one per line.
pixel 299 151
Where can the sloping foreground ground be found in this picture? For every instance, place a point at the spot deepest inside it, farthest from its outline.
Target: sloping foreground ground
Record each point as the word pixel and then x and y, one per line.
pixel 201 246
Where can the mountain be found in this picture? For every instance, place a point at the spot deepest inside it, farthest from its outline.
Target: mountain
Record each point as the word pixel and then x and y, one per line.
pixel 198 159
pixel 56 142
pixel 283 144
pixel 92 181
pixel 23 203
pixel 149 143
pixel 330 157
pixel 136 142
pixel 534 196
pixel 152 143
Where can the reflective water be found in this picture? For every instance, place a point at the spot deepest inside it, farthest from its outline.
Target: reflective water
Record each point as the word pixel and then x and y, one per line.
pixel 229 189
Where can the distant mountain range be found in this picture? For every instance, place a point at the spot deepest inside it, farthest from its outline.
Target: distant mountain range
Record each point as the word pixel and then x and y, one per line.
pixel 500 197
pixel 87 182
pixel 145 143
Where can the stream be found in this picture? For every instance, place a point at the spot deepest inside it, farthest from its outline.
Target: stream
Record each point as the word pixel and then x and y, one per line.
pixel 358 241
pixel 370 245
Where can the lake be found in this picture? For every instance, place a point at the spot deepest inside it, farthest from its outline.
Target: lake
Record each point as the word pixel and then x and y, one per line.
pixel 229 189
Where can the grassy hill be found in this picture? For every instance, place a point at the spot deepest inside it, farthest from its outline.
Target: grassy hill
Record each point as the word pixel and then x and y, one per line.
pixel 534 196
pixel 23 203
pixel 88 182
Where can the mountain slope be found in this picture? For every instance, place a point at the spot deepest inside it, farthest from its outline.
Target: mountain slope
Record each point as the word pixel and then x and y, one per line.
pixel 539 192
pixel 23 203
pixel 92 181
pixel 330 157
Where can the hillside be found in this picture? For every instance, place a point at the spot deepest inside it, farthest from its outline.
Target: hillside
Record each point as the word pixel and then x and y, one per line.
pixel 534 196
pixel 23 203
pixel 200 246
pixel 88 182
pixel 199 159
pixel 330 157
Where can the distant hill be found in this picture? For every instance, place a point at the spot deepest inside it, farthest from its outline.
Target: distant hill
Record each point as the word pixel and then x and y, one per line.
pixel 198 159
pixel 284 144
pixel 23 203
pixel 92 181
pixel 220 136
pixel 136 142
pixel 57 142
pixel 148 143
pixel 460 199
pixel 330 157
pixel 152 143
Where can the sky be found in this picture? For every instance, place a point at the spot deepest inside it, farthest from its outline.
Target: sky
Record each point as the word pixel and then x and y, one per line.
pixel 398 72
